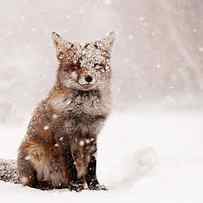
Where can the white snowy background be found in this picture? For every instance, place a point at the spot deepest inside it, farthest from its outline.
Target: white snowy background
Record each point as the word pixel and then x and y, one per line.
pixel 151 149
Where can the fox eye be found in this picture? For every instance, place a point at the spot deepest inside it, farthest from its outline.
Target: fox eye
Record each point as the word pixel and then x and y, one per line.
pixel 98 66
pixel 66 69
pixel 74 67
pixel 70 68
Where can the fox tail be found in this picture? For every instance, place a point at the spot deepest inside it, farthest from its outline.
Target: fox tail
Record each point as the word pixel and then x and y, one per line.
pixel 8 171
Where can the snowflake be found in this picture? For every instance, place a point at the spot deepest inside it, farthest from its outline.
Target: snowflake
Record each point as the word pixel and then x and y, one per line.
pixel 34 29
pixel 27 157
pixel 139 96
pixel 46 127
pixel 81 11
pixel 126 60
pixel 67 17
pixel 141 19
pixel 153 34
pixel 158 66
pixel 9 33
pixel 22 18
pixel 61 138
pixel 87 141
pixel 107 2
pixel 82 143
pixel 54 116
pixel 130 37
pixel 200 49
pixel 171 87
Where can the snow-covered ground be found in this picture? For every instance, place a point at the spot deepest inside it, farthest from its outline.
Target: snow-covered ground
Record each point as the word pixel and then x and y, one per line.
pixel 143 157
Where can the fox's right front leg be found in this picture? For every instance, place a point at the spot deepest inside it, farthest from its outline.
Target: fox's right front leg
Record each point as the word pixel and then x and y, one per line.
pixel 76 184
pixel 26 172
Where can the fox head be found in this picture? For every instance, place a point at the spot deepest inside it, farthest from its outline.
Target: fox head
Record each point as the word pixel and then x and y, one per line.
pixel 83 66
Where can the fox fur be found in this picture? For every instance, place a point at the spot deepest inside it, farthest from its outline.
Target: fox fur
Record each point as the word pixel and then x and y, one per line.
pixel 59 149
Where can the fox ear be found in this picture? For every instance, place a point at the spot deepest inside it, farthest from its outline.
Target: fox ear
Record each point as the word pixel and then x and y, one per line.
pixel 57 39
pixel 108 41
pixel 64 49
pixel 59 42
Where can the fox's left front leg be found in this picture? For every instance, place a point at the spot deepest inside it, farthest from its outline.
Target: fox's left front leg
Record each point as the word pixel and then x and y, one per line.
pixel 91 177
pixel 76 184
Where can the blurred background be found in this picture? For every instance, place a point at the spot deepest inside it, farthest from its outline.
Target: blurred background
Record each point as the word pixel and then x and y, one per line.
pixel 157 58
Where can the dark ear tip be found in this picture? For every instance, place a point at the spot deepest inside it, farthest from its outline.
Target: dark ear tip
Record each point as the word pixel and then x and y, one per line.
pixel 55 35
pixel 112 36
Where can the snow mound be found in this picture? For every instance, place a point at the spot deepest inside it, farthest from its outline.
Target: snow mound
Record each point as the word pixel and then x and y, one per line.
pixel 142 163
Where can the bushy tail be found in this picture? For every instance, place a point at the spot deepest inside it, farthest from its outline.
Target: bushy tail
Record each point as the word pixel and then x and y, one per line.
pixel 8 171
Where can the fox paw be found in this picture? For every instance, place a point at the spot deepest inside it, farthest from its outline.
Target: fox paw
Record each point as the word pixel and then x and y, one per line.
pixel 97 187
pixel 76 187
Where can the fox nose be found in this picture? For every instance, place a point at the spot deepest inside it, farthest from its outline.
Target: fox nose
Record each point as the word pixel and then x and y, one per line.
pixel 88 78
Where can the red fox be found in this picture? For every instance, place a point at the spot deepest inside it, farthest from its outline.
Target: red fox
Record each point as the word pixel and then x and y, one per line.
pixel 59 149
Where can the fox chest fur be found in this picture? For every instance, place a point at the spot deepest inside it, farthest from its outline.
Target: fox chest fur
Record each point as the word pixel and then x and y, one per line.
pixel 93 102
pixel 81 112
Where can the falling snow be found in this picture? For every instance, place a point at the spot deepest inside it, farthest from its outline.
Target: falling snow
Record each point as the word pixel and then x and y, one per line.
pixel 81 143
pixel 141 19
pixel 92 139
pixel 201 49
pixel 130 37
pixel 54 116
pixel 171 39
pixel 46 127
pixel 107 2
pixel 158 66
pixel 61 138
pixel 27 158
pixel 87 141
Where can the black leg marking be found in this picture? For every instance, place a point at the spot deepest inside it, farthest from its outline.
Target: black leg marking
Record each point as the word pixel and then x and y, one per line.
pixel 91 177
pixel 76 184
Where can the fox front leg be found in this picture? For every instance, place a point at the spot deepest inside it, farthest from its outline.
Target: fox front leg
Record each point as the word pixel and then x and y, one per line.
pixel 76 184
pixel 26 173
pixel 91 177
